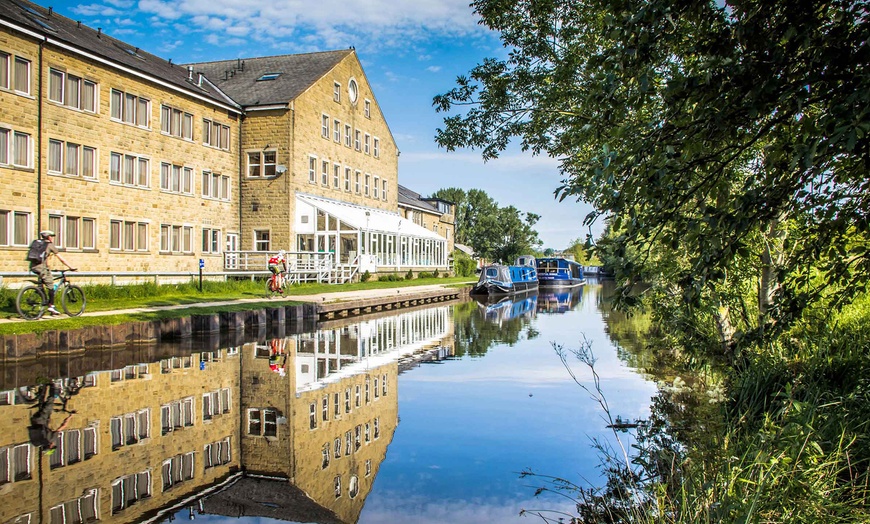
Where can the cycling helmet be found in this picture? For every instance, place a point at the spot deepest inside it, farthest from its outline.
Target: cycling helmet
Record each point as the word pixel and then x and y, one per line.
pixel 281 253
pixel 47 233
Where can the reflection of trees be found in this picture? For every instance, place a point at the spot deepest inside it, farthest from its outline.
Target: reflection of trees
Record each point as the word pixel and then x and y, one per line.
pixel 475 335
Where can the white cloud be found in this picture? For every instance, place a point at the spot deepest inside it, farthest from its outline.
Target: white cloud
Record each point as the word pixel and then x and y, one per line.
pixel 96 10
pixel 433 69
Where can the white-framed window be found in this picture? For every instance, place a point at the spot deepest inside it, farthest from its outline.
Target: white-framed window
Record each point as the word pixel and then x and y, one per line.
pixel 72 91
pixel 348 442
pixel 15 463
pixel 130 428
pixel 262 240
pixel 336 176
pixel 324 454
pixel 347 400
pixel 262 164
pixel 384 189
pixel 367 147
pixel 336 130
pixel 211 241
pixel 217 453
pixel 14 227
pixel 215 134
pixel 375 188
pixel 176 415
pixel 82 509
pixel 336 448
pixel 336 92
pixel 312 169
pixel 177 469
pixel 67 158
pixel 128 235
pixel 215 186
pixel 178 123
pixel 367 108
pixel 366 187
pixel 176 179
pixel 324 173
pixel 353 487
pixel 16 148
pixel 130 109
pixel 73 232
pixel 129 170
pixel 368 467
pixel 175 238
pixel 324 408
pixel 356 183
pixel 263 422
pixel 347 179
pixel 376 148
pixel 5 70
pixel 215 403
pixel 368 432
pixel 356 139
pixel 324 126
pixel 21 75
pixel 129 489
pixel 347 132
pixel 336 483
pixel 312 415
pixel 357 395
pixel 352 90
pixel 377 425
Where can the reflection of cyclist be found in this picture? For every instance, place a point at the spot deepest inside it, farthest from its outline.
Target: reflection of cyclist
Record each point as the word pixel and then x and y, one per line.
pixel 41 434
pixel 278 266
pixel 277 356
pixel 41 250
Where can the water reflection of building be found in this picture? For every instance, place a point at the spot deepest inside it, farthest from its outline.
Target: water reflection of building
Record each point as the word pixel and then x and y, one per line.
pixel 303 421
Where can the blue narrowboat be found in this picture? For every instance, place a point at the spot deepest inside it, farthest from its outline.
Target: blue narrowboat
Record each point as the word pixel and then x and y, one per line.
pixel 559 272
pixel 499 279
pixel 501 309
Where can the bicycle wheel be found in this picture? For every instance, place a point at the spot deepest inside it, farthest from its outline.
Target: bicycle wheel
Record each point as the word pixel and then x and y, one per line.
pixel 73 300
pixel 30 302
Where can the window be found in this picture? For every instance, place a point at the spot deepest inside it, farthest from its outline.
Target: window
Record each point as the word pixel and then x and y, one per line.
pixel 336 130
pixel 261 240
pixel 82 509
pixel 356 396
pixel 262 163
pixel 324 125
pixel 312 169
pixel 130 109
pixel 324 452
pixel 73 232
pixel 324 408
pixel 176 179
pixel 130 428
pixel 312 415
pixel 356 139
pixel 217 453
pixel 128 489
pixel 215 403
pixel 263 422
pixel 268 76
pixel 21 75
pixel 377 428
pixel 336 176
pixel 176 415
pixel 211 241
pixel 352 91
pixel 324 172
pixel 175 239
pixel 384 189
pixel 353 488
pixel 126 235
pixel 368 180
pixel 177 469
pixel 376 147
pixel 72 91
pixel 347 129
pixel 348 440
pixel 215 186
pixel 337 486
pixel 375 189
pixel 14 228
pixel 356 182
pixel 215 134
pixel 367 144
pixel 336 403
pixel 347 400
pixel 71 159
pixel 175 122
pixel 336 92
pixel 336 448
pixel 367 108
pixel 15 148
pixel 347 179
pixel 129 170
pixel 368 390
pixel 15 463
pixel 5 74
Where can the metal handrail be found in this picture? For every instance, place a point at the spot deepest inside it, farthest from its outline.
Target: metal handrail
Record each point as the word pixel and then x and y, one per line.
pixel 115 276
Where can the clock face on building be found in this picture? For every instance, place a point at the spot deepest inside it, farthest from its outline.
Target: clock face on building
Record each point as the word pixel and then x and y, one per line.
pixel 352 90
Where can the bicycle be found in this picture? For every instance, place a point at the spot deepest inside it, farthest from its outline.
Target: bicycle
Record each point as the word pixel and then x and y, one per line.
pixel 276 282
pixel 32 300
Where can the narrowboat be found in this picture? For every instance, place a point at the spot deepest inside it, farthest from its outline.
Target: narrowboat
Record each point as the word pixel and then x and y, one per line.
pixel 501 309
pixel 559 300
pixel 499 279
pixel 554 272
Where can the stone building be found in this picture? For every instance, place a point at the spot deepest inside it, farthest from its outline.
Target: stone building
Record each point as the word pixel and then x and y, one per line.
pixel 435 214
pixel 140 164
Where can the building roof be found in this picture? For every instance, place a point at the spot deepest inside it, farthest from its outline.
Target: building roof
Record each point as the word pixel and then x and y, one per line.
pixel 243 78
pixel 270 498
pixel 367 218
pixel 64 32
pixel 408 198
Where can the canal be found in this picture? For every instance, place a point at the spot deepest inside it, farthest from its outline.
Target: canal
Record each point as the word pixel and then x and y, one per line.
pixel 423 415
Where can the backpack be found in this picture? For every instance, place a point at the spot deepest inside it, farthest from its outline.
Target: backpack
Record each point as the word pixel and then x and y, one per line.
pixel 36 254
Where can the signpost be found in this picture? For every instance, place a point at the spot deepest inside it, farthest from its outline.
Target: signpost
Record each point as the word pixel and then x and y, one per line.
pixel 201 265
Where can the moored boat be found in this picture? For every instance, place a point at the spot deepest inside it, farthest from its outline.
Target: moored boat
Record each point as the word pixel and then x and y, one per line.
pixel 499 279
pixel 559 272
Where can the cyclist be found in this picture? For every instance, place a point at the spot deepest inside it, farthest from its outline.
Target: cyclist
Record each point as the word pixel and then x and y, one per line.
pixel 41 434
pixel 41 250
pixel 278 266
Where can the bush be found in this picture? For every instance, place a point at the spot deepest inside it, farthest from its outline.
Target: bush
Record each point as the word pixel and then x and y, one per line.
pixel 435 274
pixel 392 277
pixel 426 274
pixel 366 276
pixel 409 275
pixel 463 265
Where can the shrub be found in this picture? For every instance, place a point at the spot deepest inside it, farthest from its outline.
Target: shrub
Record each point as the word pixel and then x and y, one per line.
pixel 366 276
pixel 463 265
pixel 435 274
pixel 425 274
pixel 392 277
pixel 409 275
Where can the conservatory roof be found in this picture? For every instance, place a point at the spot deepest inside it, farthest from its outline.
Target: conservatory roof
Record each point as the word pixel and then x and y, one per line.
pixel 370 218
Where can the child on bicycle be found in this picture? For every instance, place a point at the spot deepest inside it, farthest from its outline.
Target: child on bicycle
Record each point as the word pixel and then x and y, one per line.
pixel 41 250
pixel 278 266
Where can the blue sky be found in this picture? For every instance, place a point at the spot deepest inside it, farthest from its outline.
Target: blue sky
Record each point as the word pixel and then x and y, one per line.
pixel 411 50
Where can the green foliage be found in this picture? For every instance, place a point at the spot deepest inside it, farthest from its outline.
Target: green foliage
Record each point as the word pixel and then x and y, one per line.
pixel 463 265
pixel 409 275
pixel 391 277
pixel 425 274
pixel 435 274
pixel 366 276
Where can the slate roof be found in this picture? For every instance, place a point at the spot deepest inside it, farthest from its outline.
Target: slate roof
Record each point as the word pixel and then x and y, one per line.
pixel 239 77
pixel 414 199
pixel 60 29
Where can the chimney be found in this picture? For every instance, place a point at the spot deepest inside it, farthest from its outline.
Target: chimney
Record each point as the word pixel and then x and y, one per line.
pixel 190 73
pixel 199 82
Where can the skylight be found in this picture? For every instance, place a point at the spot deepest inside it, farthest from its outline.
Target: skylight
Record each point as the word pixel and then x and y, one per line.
pixel 269 76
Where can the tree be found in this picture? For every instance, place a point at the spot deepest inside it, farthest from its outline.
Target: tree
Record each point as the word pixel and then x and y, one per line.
pixel 730 136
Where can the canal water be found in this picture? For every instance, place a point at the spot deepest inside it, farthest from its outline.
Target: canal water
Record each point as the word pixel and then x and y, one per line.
pixel 423 415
